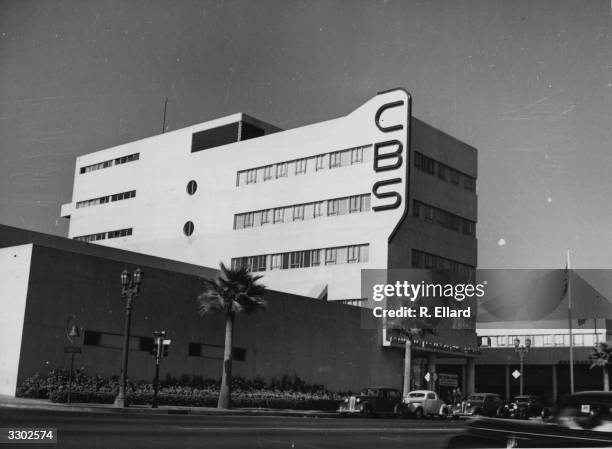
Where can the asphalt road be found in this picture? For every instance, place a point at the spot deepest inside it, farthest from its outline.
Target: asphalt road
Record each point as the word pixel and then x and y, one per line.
pixel 117 431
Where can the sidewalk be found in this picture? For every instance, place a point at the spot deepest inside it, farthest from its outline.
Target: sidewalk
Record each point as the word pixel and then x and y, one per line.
pixel 45 404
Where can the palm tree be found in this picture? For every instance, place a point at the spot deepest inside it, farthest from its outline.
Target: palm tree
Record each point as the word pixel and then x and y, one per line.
pixel 601 357
pixel 233 291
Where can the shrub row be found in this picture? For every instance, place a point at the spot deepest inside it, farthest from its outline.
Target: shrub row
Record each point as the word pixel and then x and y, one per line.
pixel 289 392
pixel 198 401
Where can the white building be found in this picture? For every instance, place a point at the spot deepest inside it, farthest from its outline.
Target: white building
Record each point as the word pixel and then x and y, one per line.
pixel 309 207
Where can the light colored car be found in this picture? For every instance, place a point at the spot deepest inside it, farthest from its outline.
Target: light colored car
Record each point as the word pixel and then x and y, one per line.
pixel 424 403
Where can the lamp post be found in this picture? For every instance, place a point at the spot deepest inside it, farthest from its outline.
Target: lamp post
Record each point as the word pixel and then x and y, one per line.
pixel 130 286
pixel 521 351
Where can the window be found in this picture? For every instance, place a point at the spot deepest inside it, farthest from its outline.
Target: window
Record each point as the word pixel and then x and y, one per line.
pixel 330 256
pixel 265 216
pixel 192 186
pixel 320 162
pixel 267 172
pixel 248 220
pixel 281 170
pixel 188 228
pixel 335 159
pixel 352 254
pixel 578 339
pixel 276 262
pixel 295 259
pixel 317 209
pixel 251 176
pixel 356 155
pixel 195 350
pixel 315 257
pixel 355 204
pixel 257 263
pixel 279 215
pixel 300 166
pixel 442 172
pixel 333 207
pixel 298 212
pixel 239 354
pixel 558 340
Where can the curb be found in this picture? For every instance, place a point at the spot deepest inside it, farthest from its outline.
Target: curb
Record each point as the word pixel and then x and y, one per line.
pixel 167 411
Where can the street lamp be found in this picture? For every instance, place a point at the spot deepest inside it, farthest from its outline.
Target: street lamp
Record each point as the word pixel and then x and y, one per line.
pixel 521 351
pixel 130 286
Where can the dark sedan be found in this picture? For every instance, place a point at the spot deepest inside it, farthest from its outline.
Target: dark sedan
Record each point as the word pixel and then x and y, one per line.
pixel 523 407
pixel 372 402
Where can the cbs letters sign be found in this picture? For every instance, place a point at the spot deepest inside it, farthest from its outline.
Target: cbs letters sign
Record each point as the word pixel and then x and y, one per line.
pixel 391 157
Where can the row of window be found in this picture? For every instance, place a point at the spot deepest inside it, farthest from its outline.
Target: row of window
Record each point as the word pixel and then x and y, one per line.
pixel 443 218
pixel 507 341
pixel 115 341
pixel 106 199
pixel 444 172
pixel 110 163
pixel 297 167
pixel 304 259
pixel 104 235
pixel 305 211
pixel 428 261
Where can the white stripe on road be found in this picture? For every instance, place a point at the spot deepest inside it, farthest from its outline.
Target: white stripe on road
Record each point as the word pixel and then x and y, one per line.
pixel 323 429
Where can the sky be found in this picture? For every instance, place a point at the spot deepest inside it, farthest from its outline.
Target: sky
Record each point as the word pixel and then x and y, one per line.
pixel 528 83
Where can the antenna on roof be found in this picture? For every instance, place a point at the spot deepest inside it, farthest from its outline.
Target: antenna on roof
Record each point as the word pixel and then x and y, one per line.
pixel 165 108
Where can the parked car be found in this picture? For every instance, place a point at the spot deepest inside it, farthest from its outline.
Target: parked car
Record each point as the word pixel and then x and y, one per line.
pixel 523 407
pixel 484 404
pixel 373 401
pixel 424 403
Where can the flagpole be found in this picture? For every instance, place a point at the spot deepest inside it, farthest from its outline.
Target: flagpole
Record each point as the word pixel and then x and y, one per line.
pixel 569 319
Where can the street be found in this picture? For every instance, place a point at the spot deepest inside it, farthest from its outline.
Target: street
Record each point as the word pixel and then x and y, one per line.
pixel 117 430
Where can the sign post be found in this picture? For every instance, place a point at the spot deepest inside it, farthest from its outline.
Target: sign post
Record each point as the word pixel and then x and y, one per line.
pixel 160 350
pixel 72 332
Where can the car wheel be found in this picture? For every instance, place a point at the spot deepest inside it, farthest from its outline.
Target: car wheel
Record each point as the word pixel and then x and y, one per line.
pixel 444 413
pixel 418 413
pixel 367 411
pixel 400 412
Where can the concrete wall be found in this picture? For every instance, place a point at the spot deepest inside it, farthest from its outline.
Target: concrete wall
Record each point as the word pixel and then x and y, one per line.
pixel 14 272
pixel 321 342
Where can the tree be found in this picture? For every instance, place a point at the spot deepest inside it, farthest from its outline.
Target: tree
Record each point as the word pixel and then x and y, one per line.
pixel 233 291
pixel 601 357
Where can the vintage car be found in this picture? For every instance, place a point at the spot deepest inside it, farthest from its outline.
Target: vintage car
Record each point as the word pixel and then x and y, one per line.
pixel 423 403
pixel 372 402
pixel 523 407
pixel 578 420
pixel 484 404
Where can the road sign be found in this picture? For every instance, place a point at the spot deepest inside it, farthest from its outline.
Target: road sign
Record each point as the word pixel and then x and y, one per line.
pixel 516 374
pixel 448 380
pixel 72 349
pixel 427 377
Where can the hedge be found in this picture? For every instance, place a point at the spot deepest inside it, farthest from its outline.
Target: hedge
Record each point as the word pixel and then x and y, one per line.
pixel 289 392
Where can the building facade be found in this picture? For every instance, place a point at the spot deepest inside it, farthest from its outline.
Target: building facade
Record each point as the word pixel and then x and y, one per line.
pixel 308 207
